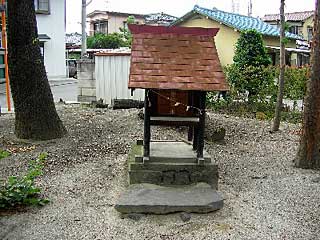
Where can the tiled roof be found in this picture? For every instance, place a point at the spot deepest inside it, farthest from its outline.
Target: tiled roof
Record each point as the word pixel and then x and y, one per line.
pixel 159 19
pixel 152 18
pixel 239 22
pixel 180 58
pixel 295 16
pixel 95 12
pixel 73 38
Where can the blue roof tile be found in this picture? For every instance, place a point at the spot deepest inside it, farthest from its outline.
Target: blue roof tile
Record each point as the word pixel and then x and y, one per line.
pixel 241 22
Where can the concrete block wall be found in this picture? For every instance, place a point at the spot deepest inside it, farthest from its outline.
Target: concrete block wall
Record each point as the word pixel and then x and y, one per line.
pixel 86 80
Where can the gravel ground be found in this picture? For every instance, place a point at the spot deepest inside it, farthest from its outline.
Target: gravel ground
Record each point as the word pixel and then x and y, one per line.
pixel 265 196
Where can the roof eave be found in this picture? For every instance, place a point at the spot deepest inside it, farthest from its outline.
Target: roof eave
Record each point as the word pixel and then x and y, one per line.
pixel 194 12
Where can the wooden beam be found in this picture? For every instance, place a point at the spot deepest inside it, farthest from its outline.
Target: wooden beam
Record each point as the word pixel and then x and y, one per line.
pixel 202 117
pixel 147 132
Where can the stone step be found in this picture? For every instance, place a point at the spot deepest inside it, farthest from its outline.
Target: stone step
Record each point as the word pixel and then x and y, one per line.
pixel 173 174
pixel 154 199
pixel 172 152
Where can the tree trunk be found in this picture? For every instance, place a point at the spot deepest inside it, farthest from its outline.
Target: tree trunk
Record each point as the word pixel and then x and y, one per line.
pixel 277 115
pixel 35 114
pixel 309 151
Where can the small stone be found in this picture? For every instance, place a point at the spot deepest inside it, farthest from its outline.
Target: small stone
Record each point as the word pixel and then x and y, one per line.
pixel 185 216
pixel 316 180
pixel 259 177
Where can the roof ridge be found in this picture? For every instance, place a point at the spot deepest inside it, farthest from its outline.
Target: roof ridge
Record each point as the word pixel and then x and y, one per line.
pixel 237 23
pixel 273 14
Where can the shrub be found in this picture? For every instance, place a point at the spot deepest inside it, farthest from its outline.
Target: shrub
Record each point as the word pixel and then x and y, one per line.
pixel 21 190
pixel 249 72
pixel 106 41
pixel 295 81
pixel 258 110
pixel 258 81
pixel 4 154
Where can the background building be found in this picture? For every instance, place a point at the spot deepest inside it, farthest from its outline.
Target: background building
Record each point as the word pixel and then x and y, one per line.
pixel 110 22
pixel 230 25
pixel 51 28
pixel 300 23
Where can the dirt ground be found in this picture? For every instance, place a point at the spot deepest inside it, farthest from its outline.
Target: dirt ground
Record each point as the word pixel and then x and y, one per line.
pixel 266 197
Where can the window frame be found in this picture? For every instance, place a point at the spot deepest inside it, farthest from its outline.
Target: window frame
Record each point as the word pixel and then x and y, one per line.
pixel 97 26
pixel 41 11
pixel 294 29
pixel 309 33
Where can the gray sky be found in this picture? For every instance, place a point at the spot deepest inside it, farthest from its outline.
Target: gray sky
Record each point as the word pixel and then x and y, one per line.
pixel 178 7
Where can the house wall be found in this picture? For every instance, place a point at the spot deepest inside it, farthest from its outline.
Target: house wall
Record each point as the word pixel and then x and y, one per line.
pixel 96 17
pixel 308 23
pixel 275 41
pixel 227 37
pixel 114 22
pixel 53 25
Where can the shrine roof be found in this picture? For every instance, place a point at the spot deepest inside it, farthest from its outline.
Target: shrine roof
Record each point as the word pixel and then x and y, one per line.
pixel 175 58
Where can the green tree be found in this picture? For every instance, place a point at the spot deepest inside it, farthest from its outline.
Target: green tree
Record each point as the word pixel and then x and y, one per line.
pixel 126 34
pixel 35 112
pixel 249 71
pixel 250 50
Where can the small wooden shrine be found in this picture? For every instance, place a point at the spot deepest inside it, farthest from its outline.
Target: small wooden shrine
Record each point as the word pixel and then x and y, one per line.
pixel 176 66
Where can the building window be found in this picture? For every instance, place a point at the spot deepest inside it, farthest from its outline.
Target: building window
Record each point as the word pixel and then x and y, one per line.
pixel 294 30
pixel 100 27
pixel 42 6
pixel 125 25
pixel 310 33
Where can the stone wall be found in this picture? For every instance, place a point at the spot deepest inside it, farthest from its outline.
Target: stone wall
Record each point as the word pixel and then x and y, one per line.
pixel 86 80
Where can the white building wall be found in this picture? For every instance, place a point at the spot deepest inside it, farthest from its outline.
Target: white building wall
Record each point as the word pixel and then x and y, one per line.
pixel 54 49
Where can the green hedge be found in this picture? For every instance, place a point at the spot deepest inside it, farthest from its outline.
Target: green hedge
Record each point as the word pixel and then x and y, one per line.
pixel 261 81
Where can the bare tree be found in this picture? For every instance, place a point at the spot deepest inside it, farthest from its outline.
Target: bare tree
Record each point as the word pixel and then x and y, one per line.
pixel 35 112
pixel 277 116
pixel 309 151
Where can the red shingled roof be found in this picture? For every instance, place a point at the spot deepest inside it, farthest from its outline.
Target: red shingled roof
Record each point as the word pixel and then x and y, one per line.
pixel 175 58
pixel 295 16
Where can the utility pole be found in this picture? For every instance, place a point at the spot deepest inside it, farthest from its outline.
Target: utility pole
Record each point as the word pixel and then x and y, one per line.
pixel 235 7
pixel 83 27
pixel 250 8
